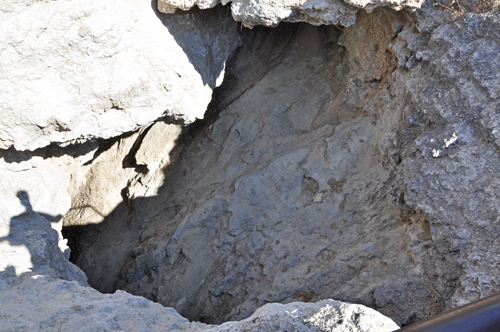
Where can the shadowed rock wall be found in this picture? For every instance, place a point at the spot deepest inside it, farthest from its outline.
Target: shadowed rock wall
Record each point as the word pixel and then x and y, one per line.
pixel 341 164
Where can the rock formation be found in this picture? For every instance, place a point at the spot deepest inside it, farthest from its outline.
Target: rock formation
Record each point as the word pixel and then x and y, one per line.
pixel 54 295
pixel 271 12
pixel 77 70
pixel 354 161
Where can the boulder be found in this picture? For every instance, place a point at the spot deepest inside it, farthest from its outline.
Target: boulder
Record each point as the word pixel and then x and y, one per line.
pixel 77 70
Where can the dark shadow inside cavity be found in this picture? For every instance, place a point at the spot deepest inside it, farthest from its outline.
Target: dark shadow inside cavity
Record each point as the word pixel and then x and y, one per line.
pixel 11 155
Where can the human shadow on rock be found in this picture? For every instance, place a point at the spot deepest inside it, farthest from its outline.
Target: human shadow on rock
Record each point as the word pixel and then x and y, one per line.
pixel 32 230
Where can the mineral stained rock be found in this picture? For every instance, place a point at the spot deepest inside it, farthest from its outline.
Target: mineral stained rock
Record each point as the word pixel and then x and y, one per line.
pixel 82 69
pixel 341 165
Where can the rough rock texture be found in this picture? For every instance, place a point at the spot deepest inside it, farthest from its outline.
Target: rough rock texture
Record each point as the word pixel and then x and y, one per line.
pixel 38 181
pixel 341 165
pixel 54 295
pixel 271 12
pixel 453 178
pixel 82 69
pixel 74 307
pixel 354 163
pixel 326 315
pixel 101 191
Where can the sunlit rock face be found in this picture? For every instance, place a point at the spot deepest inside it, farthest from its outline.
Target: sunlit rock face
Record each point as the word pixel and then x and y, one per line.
pixel 77 70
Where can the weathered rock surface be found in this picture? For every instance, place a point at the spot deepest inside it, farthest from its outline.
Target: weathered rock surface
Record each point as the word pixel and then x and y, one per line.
pixel 341 166
pixel 453 178
pixel 271 12
pixel 354 163
pixel 77 70
pixel 100 188
pixel 32 247
pixel 73 307
pixel 54 295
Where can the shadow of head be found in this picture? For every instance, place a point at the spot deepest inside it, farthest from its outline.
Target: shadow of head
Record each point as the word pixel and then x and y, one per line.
pixel 24 198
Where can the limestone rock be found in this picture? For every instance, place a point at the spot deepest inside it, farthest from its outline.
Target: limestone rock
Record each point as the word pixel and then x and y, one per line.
pixel 77 70
pixel 157 144
pixel 273 203
pixel 38 182
pixel 31 247
pixel 289 199
pixel 67 305
pixel 356 163
pixel 326 315
pixel 454 178
pixel 272 12
pixel 41 303
pixel 112 181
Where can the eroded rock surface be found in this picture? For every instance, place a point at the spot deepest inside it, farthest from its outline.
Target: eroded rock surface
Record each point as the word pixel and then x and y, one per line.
pixel 340 166
pixel 354 163
pixel 77 70
pixel 38 182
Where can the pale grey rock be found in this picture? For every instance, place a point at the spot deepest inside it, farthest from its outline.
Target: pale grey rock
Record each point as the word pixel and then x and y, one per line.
pixel 77 70
pixel 68 306
pixel 326 315
pixel 157 144
pixel 169 7
pixel 42 303
pixel 31 248
pixel 271 12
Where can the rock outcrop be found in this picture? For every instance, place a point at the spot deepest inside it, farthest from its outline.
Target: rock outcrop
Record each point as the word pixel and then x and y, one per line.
pixel 271 12
pixel 82 69
pixel 340 166
pixel 355 160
